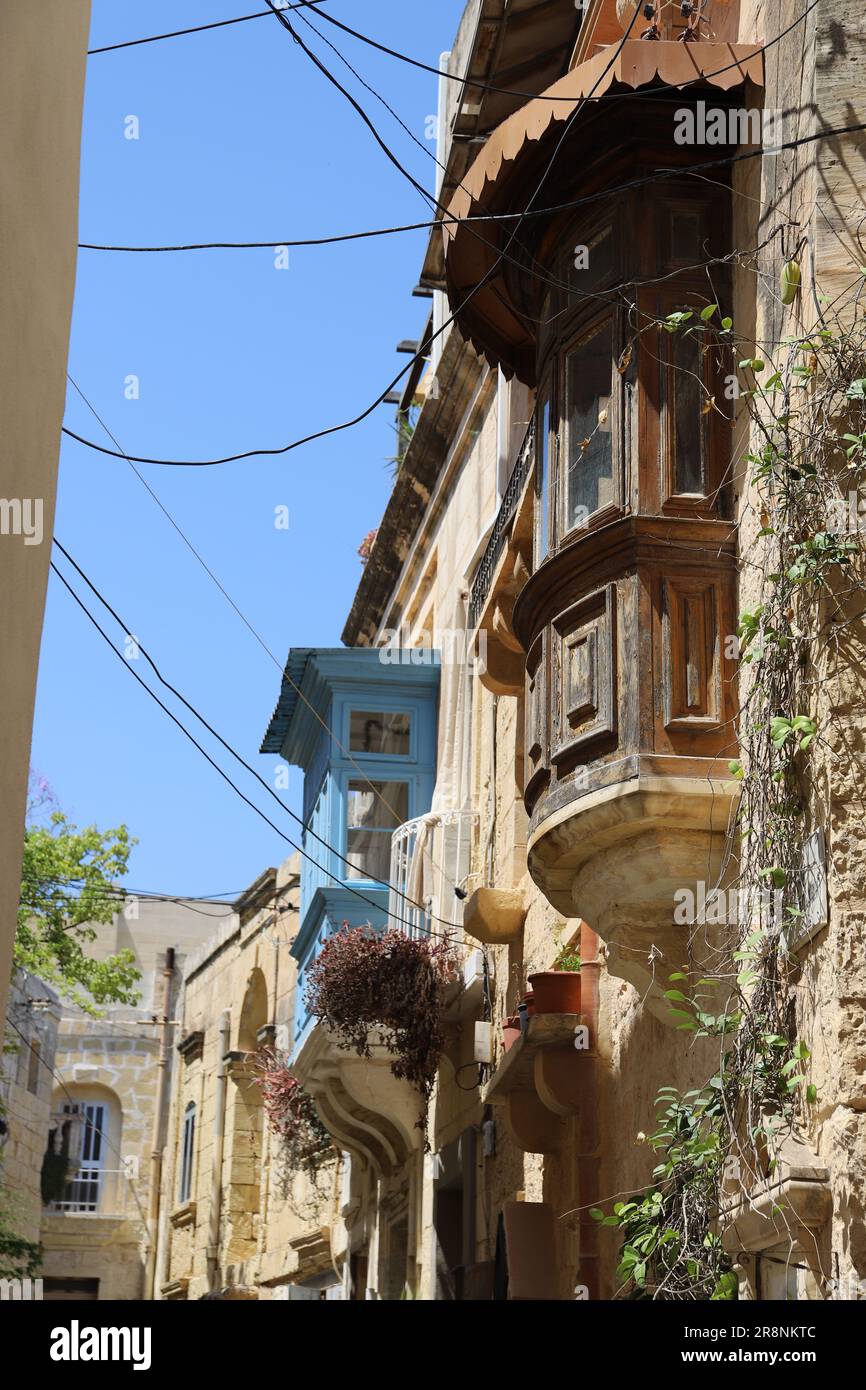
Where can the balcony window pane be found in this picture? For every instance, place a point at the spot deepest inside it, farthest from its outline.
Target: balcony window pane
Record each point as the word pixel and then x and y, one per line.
pixel 688 398
pixel 588 374
pixel 542 446
pixel 686 236
pixel 590 263
pixel 375 809
pixel 379 731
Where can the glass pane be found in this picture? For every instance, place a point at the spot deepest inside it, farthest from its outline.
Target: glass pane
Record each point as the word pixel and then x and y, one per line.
pixel 686 229
pixel 542 446
pixel 688 399
pixel 369 854
pixel 374 812
pixel 590 263
pixel 378 731
pixel 91 1148
pixel 377 805
pixel 588 372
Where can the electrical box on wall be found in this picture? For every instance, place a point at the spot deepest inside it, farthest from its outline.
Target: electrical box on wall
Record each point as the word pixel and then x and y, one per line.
pixel 483 1042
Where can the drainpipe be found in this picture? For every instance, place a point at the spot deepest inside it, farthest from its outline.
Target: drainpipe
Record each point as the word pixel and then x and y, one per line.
pixel 158 1117
pixel 216 1181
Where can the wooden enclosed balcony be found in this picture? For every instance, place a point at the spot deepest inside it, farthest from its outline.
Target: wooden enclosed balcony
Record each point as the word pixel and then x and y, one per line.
pixel 614 304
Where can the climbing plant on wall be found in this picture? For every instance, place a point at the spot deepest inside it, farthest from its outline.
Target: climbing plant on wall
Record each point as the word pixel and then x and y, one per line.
pixel 304 1142
pixel 802 552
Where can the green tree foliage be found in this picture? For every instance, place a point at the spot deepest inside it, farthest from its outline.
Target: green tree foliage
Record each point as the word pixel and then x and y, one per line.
pixel 68 888
pixel 19 1258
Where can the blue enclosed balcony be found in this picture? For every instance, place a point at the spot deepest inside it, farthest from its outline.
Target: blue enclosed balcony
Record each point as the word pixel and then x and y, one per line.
pixel 361 724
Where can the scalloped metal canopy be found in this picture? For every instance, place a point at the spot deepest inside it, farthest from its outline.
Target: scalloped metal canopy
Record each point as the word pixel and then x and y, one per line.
pixel 489 320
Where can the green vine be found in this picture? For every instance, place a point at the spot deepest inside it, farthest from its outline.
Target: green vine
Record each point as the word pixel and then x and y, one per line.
pixel 717 1145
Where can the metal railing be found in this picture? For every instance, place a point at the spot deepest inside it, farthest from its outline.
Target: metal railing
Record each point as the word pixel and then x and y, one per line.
pixel 430 856
pixel 94 1191
pixel 498 536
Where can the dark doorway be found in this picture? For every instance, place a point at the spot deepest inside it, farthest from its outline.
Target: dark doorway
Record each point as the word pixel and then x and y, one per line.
pixel 72 1290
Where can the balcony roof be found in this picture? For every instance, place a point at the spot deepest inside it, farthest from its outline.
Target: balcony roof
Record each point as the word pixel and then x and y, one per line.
pixel 518 47
pixel 501 177
pixel 310 677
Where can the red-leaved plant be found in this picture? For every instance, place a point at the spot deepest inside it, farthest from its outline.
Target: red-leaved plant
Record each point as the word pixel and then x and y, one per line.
pixel 292 1114
pixel 364 979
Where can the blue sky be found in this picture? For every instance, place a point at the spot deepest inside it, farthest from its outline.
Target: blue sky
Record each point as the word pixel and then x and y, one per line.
pixel 240 139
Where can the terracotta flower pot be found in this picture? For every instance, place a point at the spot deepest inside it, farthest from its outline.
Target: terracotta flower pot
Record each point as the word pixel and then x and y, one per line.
pixel 556 991
pixel 529 1000
pixel 510 1033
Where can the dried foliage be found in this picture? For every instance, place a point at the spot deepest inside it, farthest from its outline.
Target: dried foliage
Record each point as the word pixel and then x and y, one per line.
pixel 365 549
pixel 292 1115
pixel 363 979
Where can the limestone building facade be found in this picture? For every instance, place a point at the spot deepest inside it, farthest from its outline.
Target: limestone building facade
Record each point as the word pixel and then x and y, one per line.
pixel 238 1222
pixel 108 1110
pixel 26 1085
pixel 583 529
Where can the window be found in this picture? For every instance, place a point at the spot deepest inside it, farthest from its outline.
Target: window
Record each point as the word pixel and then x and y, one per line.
pixel 379 731
pixel 686 394
pixel 74 1290
pixel 589 477
pixel 188 1154
pixel 685 236
pixel 88 1119
pixel 779 1276
pixel 374 810
pixel 542 482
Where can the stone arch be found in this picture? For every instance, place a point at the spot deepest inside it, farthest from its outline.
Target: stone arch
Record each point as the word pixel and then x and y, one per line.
pixel 246 1133
pixel 83 1170
pixel 254 1011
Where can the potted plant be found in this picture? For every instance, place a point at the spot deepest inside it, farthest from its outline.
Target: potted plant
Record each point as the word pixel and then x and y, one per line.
pixel 557 991
pixel 364 979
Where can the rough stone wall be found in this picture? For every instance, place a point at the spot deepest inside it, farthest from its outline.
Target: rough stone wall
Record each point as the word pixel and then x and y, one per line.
pixel 112 1062
pixel 832 1002
pixel 260 1214
pixel 812 78
pixel 113 1059
pixel 815 77
pixel 95 1247
pixel 25 1098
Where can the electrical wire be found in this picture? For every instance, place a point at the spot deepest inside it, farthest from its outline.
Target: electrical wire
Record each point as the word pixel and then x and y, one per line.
pixel 195 29
pixel 475 84
pixel 152 894
pixel 123 894
pixel 335 429
pixel 650 92
pixel 238 757
pixel 639 182
pixel 429 198
pixel 346 752
pixel 284 21
pixel 532 96
pixel 65 1089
